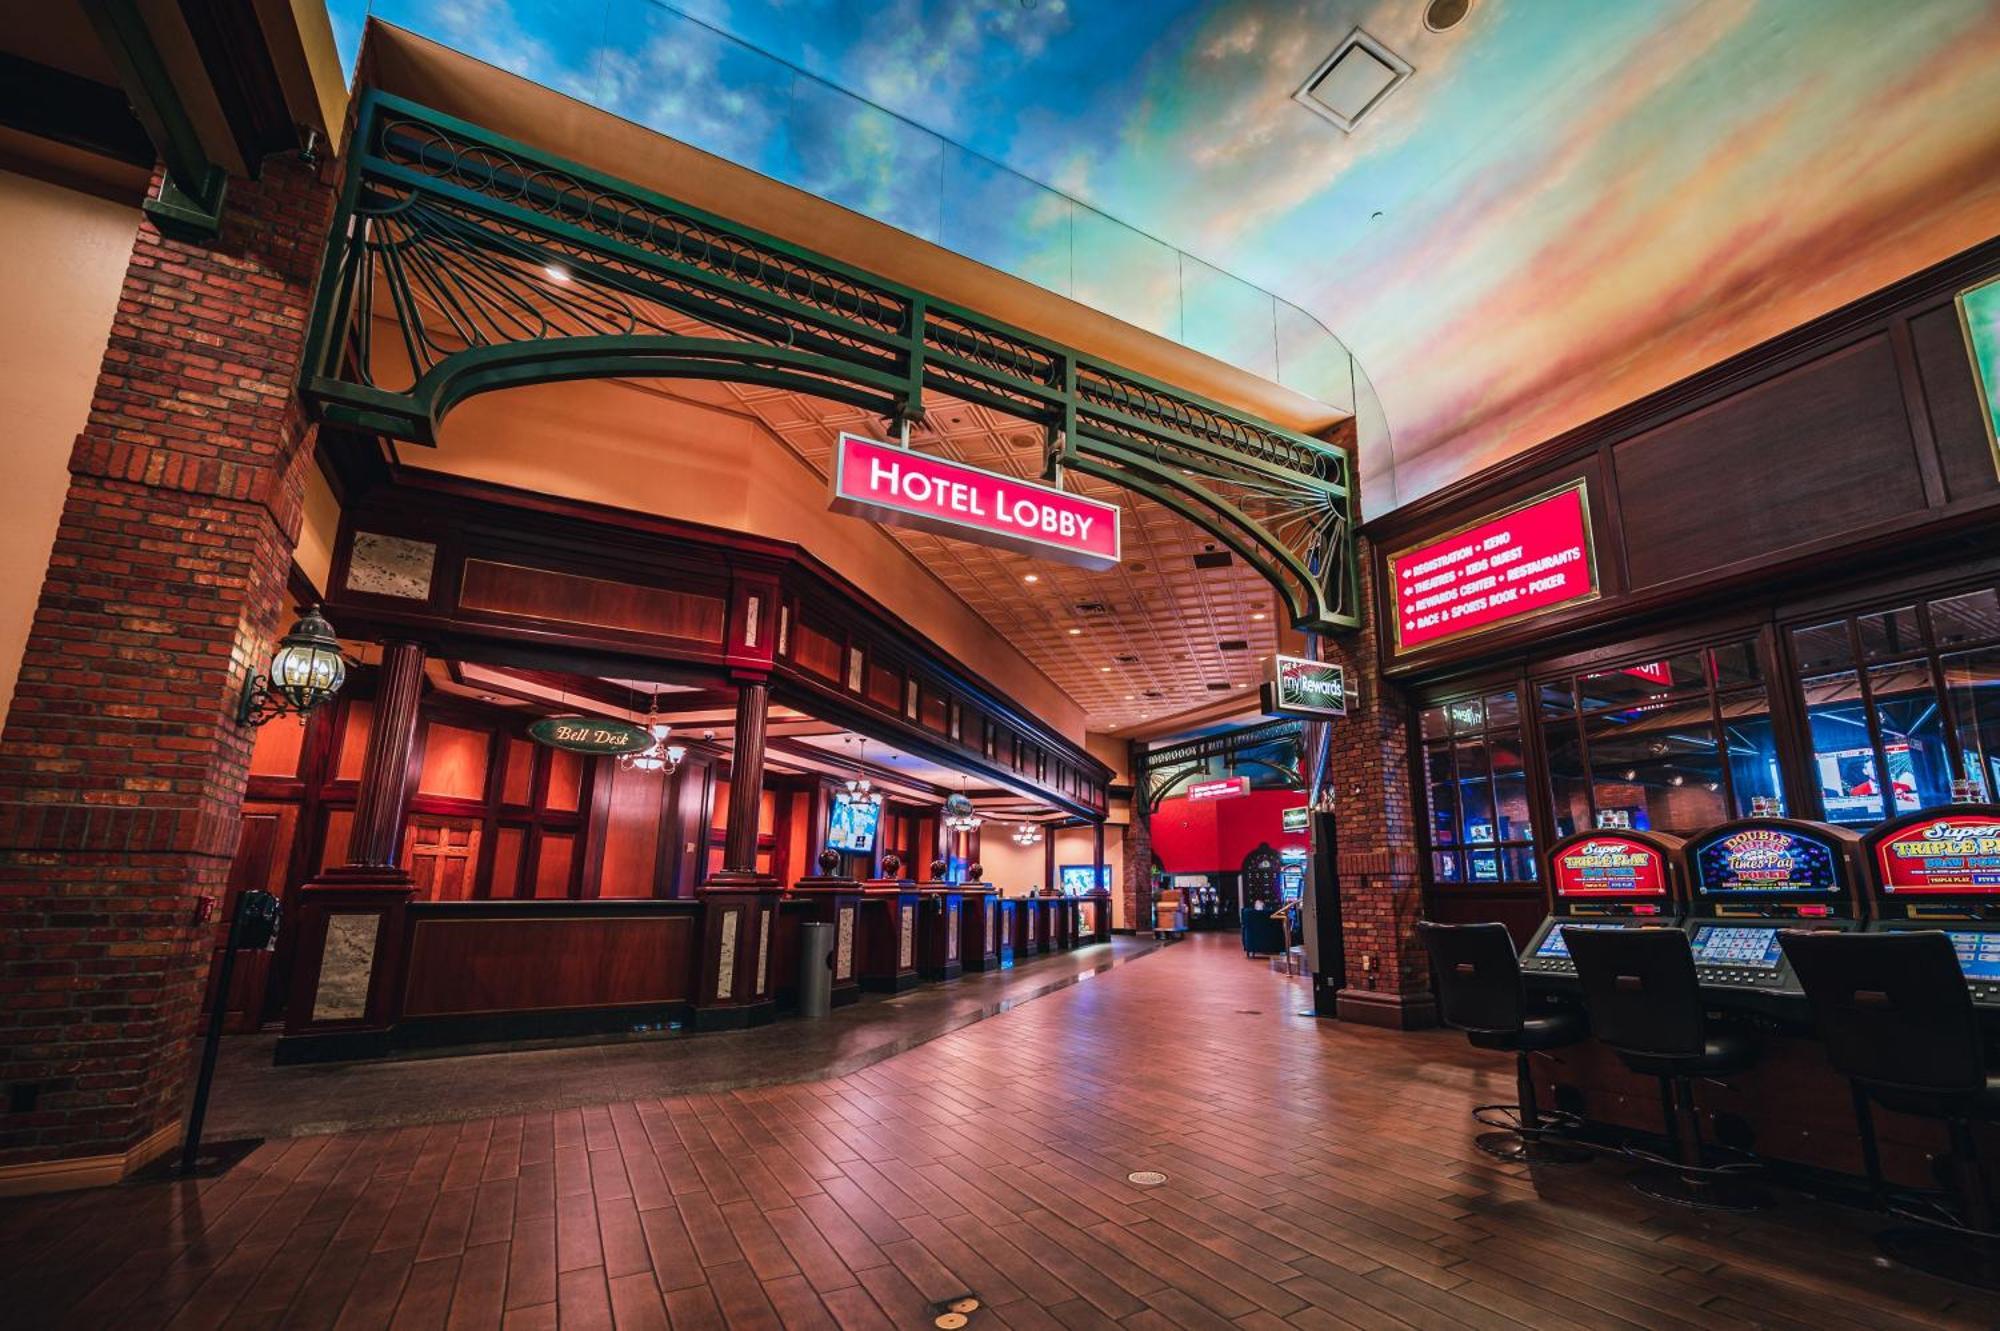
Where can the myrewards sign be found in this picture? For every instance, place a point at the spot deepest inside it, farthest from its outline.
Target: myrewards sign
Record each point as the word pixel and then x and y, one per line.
pixel 901 488
pixel 1525 561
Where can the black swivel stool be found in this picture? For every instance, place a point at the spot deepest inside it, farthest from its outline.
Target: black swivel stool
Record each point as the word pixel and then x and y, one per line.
pixel 1640 990
pixel 1899 1023
pixel 1480 992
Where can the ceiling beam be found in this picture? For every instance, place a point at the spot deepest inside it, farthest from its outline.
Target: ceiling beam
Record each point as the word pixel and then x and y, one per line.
pixel 189 204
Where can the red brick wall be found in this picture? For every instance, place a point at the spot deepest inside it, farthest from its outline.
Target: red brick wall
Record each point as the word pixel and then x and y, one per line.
pixel 122 766
pixel 1368 771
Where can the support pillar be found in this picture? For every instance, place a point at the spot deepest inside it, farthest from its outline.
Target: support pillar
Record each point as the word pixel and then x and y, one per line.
pixel 741 903
pixel 122 767
pixel 346 972
pixel 1379 889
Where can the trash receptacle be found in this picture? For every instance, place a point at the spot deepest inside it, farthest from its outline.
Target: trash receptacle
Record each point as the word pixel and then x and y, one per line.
pixel 815 969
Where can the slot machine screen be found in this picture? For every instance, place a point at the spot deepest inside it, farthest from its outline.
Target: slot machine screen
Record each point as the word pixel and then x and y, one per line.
pixel 1728 945
pixel 1978 953
pixel 1757 860
pixel 1954 853
pixel 1555 945
pixel 1608 864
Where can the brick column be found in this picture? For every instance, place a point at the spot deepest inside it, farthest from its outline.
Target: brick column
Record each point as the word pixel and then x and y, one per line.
pixel 122 765
pixel 1381 894
pixel 1136 881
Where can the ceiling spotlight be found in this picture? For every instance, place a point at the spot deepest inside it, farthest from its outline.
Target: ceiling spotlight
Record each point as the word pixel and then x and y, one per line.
pixel 1260 615
pixel 556 272
pixel 1104 669
pixel 1031 577
pixel 1075 633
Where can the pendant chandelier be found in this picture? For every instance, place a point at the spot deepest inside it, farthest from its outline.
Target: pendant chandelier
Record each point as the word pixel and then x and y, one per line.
pixel 659 756
pixel 859 789
pixel 959 815
pixel 1027 834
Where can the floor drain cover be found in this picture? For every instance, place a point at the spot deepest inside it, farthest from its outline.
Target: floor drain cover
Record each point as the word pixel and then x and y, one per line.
pixel 1146 1178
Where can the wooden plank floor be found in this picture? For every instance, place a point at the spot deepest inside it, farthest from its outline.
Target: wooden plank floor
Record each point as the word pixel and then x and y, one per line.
pixel 1319 1176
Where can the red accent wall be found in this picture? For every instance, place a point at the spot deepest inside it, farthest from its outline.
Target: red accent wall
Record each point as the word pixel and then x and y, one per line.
pixel 1213 836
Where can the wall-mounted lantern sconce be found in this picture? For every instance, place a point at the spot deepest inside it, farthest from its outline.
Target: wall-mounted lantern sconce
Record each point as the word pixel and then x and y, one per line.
pixel 306 670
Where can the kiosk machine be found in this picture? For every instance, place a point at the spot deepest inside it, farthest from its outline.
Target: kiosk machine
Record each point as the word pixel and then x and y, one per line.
pixel 1755 876
pixel 1940 869
pixel 1612 878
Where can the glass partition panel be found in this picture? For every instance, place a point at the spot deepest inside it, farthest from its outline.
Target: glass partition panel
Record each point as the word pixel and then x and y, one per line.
pixel 1973 617
pixel 1843 753
pixel 1972 679
pixel 1912 728
pixel 1567 780
pixel 1753 752
pixel 1664 771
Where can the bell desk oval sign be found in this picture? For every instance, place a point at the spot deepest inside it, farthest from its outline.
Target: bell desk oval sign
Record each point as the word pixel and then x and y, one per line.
pixel 1609 865
pixel 589 734
pixel 1948 853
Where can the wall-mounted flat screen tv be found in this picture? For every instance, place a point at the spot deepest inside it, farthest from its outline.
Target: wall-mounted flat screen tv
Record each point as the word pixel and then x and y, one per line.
pixel 1076 880
pixel 851 827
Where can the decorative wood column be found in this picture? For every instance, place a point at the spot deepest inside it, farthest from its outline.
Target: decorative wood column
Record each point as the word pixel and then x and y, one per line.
pixel 375 842
pixel 347 982
pixel 741 903
pixel 1100 895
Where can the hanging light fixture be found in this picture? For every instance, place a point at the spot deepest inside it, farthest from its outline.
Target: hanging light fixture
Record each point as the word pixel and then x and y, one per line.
pixel 959 815
pixel 659 756
pixel 859 789
pixel 1027 834
pixel 306 670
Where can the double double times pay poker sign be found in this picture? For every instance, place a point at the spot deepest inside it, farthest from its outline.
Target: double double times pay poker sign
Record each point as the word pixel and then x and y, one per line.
pixel 1525 561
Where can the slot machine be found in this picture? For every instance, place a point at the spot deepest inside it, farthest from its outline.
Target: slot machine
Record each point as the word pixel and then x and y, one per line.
pixel 1755 876
pixel 1612 878
pixel 1940 869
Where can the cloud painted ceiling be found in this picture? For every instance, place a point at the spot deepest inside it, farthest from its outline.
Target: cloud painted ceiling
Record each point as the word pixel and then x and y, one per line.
pixel 1568 204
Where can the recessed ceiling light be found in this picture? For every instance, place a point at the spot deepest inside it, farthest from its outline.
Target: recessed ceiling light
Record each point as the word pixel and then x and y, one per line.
pixel 1129 698
pixel 1260 615
pixel 556 272
pixel 1075 633
pixel 1031 577
pixel 1105 669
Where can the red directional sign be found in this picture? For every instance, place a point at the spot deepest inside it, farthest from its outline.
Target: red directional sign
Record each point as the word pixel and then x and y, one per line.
pixel 1530 559
pixel 900 487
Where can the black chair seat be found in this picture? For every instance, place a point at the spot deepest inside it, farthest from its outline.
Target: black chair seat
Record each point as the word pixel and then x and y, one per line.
pixel 1982 1105
pixel 1723 1051
pixel 1552 1030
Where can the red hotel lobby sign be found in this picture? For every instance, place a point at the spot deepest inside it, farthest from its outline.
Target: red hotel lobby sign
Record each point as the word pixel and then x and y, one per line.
pixel 899 487
pixel 1525 561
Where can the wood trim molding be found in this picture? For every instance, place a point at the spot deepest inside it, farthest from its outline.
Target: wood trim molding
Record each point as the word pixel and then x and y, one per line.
pixel 86 1171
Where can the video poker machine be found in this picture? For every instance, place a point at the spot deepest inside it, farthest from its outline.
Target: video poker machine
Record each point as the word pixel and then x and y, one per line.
pixel 1755 876
pixel 1940 869
pixel 1606 879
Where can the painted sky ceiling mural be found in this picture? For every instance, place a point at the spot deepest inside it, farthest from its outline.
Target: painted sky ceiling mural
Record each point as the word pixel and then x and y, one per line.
pixel 1567 204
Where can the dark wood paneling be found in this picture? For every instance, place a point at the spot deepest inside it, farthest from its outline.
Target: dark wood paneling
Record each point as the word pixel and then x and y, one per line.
pixel 493 963
pixel 884 687
pixel 815 651
pixel 1952 397
pixel 1822 449
pixel 568 598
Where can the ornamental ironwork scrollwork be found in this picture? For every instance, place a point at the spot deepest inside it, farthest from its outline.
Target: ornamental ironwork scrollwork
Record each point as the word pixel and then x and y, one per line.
pixel 462 262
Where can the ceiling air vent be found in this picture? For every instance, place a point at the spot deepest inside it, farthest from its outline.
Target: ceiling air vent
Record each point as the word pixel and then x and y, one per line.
pixel 1232 645
pixel 1092 607
pixel 1152 693
pixel 1353 81
pixel 1212 559
pixel 1215 687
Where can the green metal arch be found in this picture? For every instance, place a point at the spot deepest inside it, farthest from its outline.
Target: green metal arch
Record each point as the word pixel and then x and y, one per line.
pixel 496 266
